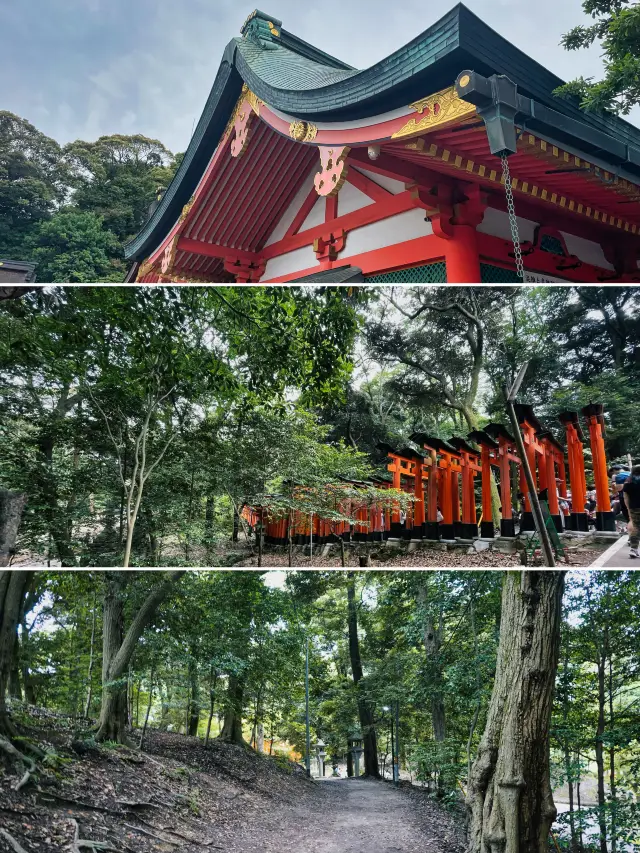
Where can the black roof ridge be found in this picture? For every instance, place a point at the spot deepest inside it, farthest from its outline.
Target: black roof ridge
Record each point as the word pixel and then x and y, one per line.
pixel 304 48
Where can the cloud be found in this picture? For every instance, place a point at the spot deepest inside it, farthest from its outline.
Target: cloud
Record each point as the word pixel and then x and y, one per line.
pixel 85 68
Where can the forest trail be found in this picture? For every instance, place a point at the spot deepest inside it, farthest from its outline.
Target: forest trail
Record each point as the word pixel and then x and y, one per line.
pixel 178 796
pixel 356 816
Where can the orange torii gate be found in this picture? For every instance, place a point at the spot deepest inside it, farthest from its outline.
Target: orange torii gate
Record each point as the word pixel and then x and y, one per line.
pixel 441 477
pixel 594 413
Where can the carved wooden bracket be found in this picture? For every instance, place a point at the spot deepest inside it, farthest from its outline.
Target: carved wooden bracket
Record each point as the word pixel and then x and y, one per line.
pixel 244 272
pixel 242 126
pixel 169 256
pixel 329 246
pixel 331 176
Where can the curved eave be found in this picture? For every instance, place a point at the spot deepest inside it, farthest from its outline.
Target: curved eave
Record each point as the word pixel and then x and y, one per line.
pixel 426 64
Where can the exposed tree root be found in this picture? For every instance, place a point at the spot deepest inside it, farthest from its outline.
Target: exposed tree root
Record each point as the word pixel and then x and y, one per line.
pixel 151 834
pixel 10 749
pixel 79 843
pixel 11 841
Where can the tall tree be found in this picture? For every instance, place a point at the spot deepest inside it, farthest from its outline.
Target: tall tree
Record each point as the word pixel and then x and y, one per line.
pixel 616 27
pixel 365 711
pixel 509 795
pixel 119 645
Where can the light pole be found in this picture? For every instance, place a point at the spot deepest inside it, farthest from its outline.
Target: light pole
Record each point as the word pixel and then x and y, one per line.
pixel 396 763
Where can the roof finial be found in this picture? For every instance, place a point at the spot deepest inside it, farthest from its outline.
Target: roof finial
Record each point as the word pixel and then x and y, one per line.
pixel 262 29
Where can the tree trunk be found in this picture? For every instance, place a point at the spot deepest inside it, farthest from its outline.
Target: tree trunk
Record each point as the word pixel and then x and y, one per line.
pixel 87 704
pixel 567 747
pixel 612 756
pixel 432 640
pixel 365 712
pixel 509 797
pixel 11 507
pixel 194 703
pixel 236 524
pixel 117 651
pixel 12 588
pixel 146 716
pixel 232 726
pixel 213 680
pixel 350 770
pixel 209 511
pixel 599 750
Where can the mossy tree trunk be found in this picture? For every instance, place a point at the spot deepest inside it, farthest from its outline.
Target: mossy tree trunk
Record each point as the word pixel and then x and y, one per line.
pixel 509 797
pixel 118 648
pixel 12 590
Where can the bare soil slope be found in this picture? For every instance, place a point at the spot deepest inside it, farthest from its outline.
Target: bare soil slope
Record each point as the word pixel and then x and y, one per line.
pixel 178 795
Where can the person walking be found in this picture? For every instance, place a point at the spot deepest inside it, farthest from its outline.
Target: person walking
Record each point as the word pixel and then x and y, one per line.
pixel 631 490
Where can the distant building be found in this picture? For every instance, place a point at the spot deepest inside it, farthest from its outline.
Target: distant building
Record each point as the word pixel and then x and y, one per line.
pixel 302 166
pixel 17 272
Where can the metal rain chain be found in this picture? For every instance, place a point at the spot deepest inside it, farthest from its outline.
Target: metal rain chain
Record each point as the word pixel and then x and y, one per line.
pixel 513 222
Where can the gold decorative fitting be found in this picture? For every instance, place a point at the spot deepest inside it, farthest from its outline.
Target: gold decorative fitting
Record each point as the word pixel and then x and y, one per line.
pixel 254 100
pixel 302 131
pixel 274 31
pixel 186 209
pixel 441 108
pixel 465 80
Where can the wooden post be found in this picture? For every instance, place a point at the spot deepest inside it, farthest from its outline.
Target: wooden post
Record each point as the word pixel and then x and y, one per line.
pixel 487 528
pixel 431 527
pixel 605 519
pixel 578 519
pixel 418 507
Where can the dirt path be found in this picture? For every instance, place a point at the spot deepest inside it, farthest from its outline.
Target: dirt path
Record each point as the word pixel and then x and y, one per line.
pixel 351 816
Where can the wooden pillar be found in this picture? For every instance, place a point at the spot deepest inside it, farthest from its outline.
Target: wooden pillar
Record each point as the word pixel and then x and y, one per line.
pixel 507 526
pixel 550 477
pixel 432 530
pixel 578 520
pixel 527 522
pixel 462 256
pixel 605 519
pixel 418 507
pixel 469 517
pixel 487 530
pixel 446 528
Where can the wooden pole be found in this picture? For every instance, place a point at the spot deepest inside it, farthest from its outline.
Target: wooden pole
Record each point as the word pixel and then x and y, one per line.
pixel 543 533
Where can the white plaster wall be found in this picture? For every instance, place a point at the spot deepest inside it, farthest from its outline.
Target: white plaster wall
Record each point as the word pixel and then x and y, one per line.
pixel 387 232
pixel 496 223
pixel 350 198
pixel 299 259
pixel 390 184
pixel 290 213
pixel 588 251
pixel 316 215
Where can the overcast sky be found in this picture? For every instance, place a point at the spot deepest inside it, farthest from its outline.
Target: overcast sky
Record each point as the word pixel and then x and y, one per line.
pixel 84 68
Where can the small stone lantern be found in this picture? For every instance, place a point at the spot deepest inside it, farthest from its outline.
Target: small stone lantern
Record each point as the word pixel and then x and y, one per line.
pixel 357 751
pixel 321 754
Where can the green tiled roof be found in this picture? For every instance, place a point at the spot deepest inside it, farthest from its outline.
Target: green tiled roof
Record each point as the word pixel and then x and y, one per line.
pixel 284 69
pixel 296 78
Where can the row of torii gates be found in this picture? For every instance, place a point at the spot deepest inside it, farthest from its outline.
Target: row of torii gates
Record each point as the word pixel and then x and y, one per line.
pixel 442 479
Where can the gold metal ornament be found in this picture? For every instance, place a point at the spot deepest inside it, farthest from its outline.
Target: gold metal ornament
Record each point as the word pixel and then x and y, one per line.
pixel 303 131
pixel 187 209
pixel 436 110
pixel 464 80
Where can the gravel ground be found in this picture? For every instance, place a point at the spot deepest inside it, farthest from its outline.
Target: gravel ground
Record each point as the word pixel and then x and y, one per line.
pixel 579 557
pixel 354 816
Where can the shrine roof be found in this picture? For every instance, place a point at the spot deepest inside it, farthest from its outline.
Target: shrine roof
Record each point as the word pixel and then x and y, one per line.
pixel 291 76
